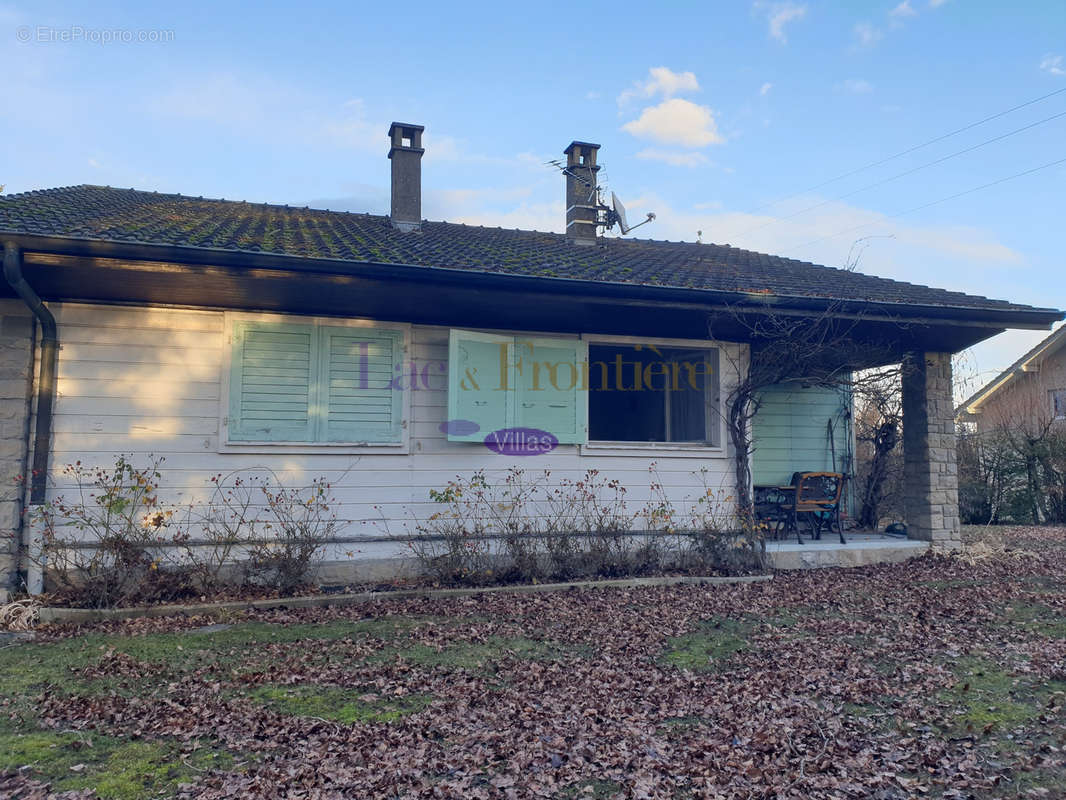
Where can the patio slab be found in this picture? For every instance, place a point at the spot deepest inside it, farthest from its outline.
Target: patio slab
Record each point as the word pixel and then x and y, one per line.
pixel 860 551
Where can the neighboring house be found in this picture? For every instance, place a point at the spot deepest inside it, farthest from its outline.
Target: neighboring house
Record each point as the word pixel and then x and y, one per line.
pixel 1030 394
pixel 380 352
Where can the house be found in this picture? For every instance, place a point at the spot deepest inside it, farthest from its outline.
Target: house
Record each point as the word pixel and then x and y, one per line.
pixel 385 353
pixel 1030 393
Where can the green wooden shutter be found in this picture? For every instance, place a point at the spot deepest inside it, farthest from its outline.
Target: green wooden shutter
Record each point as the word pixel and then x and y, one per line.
pixel 273 373
pixel 552 376
pixel 480 384
pixel 357 401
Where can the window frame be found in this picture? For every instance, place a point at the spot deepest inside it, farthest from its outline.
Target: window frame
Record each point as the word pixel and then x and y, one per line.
pixel 674 449
pixel 1051 401
pixel 231 318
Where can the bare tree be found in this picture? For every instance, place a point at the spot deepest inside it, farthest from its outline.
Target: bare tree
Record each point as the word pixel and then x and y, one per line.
pixel 1023 424
pixel 878 424
pixel 817 350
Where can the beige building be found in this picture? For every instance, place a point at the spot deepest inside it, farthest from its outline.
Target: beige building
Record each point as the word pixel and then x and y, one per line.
pixel 1029 395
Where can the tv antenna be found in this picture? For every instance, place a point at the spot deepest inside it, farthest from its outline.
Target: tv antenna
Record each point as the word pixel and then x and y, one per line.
pixel 607 216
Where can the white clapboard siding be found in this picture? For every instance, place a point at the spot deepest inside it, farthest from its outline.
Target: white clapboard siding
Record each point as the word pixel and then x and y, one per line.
pixel 149 382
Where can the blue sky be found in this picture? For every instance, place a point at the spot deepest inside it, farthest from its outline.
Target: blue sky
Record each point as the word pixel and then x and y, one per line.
pixel 719 117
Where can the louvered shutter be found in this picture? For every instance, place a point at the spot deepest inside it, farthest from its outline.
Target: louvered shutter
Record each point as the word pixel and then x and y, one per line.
pixel 272 378
pixel 357 401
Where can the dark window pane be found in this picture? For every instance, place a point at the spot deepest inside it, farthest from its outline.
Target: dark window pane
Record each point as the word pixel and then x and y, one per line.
pixel 649 393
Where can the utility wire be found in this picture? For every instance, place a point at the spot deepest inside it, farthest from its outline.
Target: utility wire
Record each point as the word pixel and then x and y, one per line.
pixel 910 150
pixel 1016 131
pixel 937 202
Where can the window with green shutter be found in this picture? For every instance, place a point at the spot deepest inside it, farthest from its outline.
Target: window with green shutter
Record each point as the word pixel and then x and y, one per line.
pixel 551 378
pixel 497 382
pixel 312 382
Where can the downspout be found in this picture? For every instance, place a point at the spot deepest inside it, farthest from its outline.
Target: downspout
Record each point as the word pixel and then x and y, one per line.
pixel 46 390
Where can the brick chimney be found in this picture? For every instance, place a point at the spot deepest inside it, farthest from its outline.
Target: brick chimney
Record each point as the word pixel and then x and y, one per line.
pixel 581 198
pixel 405 152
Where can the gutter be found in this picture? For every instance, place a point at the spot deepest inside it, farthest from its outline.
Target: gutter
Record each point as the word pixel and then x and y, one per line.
pixel 46 385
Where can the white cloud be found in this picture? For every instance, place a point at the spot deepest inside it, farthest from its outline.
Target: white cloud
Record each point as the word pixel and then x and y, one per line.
pixel 661 81
pixel 676 121
pixel 857 86
pixel 780 14
pixel 674 158
pixel 765 89
pixel 904 9
pixel 1052 65
pixel 866 34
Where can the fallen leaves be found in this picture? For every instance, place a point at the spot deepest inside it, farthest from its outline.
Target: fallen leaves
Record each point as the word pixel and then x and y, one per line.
pixel 826 684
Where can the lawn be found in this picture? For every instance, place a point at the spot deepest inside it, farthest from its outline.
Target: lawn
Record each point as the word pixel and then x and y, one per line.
pixel 940 677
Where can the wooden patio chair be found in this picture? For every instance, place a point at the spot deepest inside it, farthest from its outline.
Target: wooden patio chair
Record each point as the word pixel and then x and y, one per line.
pixel 816 502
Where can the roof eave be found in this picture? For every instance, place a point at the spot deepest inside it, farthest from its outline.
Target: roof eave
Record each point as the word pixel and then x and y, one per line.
pixel 1031 318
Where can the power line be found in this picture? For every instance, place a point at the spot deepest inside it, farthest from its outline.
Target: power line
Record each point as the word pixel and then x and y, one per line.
pixel 775 220
pixel 937 202
pixel 910 150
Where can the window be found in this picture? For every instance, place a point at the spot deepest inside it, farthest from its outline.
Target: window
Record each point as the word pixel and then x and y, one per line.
pixel 653 393
pixel 498 382
pixel 1058 403
pixel 314 382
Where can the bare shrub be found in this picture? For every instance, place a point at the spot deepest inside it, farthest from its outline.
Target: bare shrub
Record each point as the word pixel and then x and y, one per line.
pixel 296 526
pixel 453 543
pixel 111 541
pixel 718 537
pixel 574 528
pixel 108 543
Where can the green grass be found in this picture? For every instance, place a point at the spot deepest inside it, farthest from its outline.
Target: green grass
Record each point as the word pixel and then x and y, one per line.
pixel 709 646
pixel 1037 618
pixel 987 698
pixel 32 666
pixel 118 769
pixel 339 704
pixel 592 789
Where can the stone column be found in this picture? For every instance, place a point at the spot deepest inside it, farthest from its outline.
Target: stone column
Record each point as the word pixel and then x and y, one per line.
pixel 930 471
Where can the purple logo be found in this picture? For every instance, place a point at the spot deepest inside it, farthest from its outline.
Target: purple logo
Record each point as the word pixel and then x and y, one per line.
pixel 459 427
pixel 521 442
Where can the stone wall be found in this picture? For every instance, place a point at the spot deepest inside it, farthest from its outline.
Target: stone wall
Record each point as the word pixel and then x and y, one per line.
pixel 16 364
pixel 931 476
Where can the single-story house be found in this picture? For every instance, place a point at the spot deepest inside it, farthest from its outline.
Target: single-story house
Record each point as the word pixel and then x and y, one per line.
pixel 384 352
pixel 1030 393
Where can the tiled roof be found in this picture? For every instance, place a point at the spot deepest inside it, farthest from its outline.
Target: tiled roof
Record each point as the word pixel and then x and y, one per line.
pixel 129 216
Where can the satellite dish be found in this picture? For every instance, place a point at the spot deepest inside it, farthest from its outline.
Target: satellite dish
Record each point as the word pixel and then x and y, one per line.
pixel 620 214
pixel 617 213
